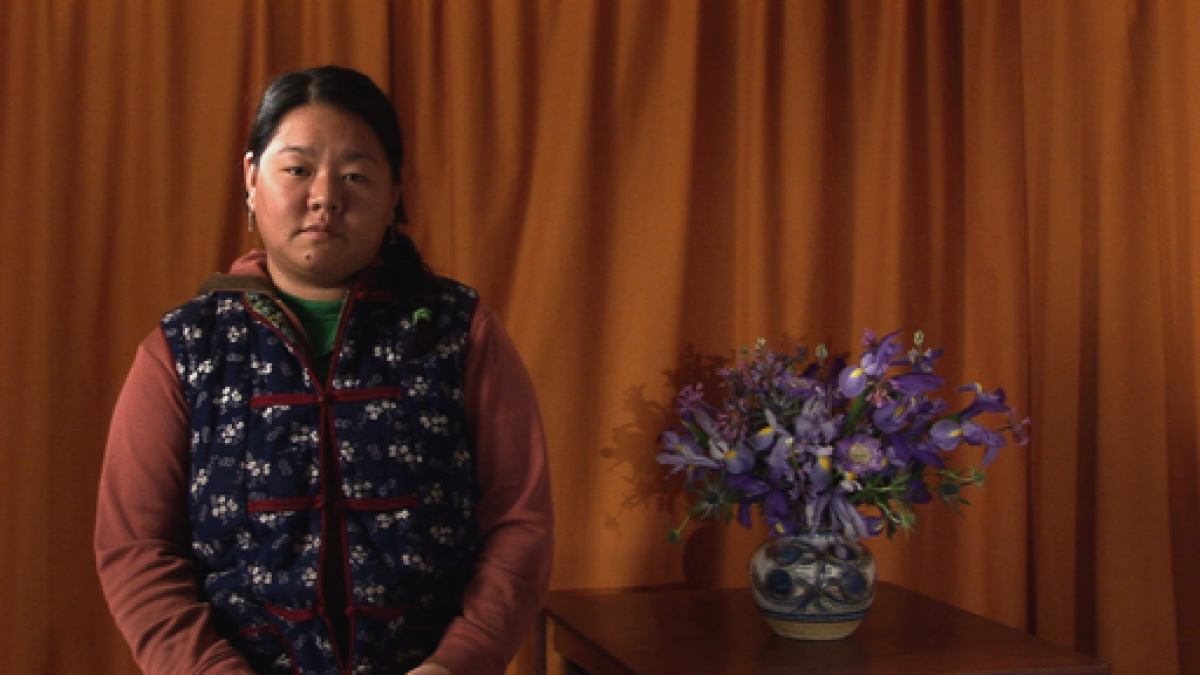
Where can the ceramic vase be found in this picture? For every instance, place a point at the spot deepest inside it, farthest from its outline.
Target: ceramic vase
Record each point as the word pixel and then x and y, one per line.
pixel 814 586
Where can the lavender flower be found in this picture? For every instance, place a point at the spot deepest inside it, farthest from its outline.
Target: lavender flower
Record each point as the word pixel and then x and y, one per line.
pixel 860 454
pixel 811 445
pixel 688 397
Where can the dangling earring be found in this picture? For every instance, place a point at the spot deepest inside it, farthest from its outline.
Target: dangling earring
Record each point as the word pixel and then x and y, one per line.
pixel 250 224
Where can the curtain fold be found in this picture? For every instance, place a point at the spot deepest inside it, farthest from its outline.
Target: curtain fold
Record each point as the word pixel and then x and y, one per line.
pixel 642 187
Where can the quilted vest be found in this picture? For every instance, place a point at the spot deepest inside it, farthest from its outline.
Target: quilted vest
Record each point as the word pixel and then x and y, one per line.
pixel 376 460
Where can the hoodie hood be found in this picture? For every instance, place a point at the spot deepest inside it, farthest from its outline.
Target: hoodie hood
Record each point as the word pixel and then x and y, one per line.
pixel 248 273
pixel 253 263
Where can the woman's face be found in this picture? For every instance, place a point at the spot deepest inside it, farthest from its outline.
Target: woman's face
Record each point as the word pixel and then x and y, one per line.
pixel 323 198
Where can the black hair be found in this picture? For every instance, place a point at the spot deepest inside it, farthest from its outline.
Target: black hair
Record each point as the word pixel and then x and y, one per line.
pixel 352 92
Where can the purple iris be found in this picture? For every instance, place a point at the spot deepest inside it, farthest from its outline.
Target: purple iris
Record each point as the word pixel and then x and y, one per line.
pixel 739 459
pixel 885 354
pixel 992 441
pixel 766 438
pixel 893 415
pixel 984 402
pixel 913 448
pixel 737 456
pixel 820 473
pixel 873 365
pixel 702 416
pixel 779 516
pixel 950 432
pixel 832 509
pixel 947 433
pixel 915 384
pixel 815 424
pixel 853 380
pixel 683 452
pixel 779 447
pixel 848 518
pixel 779 462
pixel 749 489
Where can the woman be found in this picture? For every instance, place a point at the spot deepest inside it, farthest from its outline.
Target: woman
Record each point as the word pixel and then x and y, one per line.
pixel 331 461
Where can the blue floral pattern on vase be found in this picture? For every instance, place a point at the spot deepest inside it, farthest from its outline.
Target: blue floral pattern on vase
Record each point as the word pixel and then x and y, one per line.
pixel 815 586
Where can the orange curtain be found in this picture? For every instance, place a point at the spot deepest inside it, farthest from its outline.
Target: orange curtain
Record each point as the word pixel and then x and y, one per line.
pixel 640 187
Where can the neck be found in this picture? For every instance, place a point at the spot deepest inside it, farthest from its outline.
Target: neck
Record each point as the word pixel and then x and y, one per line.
pixel 308 290
pixel 315 293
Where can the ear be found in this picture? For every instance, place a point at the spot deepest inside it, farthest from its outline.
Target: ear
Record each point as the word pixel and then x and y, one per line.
pixel 251 173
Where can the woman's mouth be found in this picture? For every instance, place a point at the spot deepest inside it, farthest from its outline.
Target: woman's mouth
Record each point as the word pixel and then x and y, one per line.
pixel 320 231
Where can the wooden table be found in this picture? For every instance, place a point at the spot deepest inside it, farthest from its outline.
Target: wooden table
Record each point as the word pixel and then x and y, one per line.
pixel 719 632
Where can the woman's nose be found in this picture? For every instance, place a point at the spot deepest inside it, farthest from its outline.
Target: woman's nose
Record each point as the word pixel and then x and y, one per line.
pixel 326 194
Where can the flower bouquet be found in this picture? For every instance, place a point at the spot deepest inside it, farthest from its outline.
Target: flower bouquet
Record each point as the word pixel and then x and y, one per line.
pixel 830 443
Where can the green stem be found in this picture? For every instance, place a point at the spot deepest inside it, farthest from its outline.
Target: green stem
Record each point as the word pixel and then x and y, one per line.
pixel 677 533
pixel 856 410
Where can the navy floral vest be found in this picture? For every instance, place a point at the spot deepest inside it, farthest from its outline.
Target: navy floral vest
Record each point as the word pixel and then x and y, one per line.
pixel 377 461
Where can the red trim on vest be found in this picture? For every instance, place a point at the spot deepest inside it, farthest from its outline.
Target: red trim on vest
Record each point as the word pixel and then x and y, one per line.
pixel 278 504
pixel 286 643
pixel 306 614
pixel 327 397
pixel 301 353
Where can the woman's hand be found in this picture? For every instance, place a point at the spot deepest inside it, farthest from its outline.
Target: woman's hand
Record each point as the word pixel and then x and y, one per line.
pixel 429 669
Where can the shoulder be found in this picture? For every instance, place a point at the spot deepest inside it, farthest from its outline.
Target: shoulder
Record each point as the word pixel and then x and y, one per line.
pixel 198 325
pixel 454 290
pixel 457 302
pixel 220 292
pixel 200 311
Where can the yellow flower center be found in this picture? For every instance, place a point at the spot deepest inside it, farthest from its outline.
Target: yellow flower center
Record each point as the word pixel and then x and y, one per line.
pixel 860 453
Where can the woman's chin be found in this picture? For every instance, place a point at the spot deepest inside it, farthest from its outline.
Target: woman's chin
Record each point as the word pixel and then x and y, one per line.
pixel 322 271
pixel 324 256
pixel 326 266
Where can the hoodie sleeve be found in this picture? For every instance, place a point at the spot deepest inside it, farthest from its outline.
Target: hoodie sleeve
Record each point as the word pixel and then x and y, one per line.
pixel 515 511
pixel 142 535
